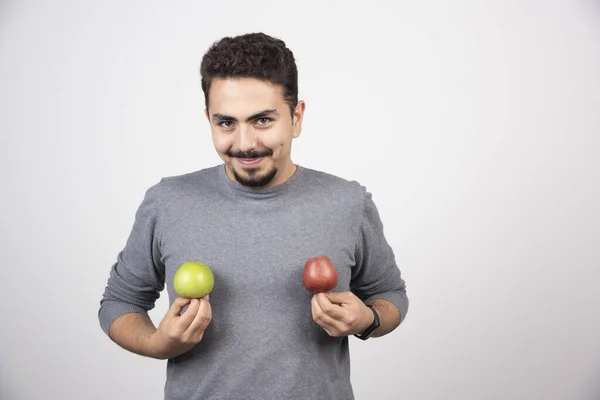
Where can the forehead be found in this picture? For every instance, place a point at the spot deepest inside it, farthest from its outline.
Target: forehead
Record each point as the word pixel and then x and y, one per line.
pixel 241 97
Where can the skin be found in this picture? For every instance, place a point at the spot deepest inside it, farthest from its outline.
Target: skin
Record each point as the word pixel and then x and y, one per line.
pixel 176 333
pixel 342 314
pixel 249 118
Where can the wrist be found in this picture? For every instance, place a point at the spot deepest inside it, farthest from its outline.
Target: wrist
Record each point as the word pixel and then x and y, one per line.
pixel 153 346
pixel 368 319
pixel 373 325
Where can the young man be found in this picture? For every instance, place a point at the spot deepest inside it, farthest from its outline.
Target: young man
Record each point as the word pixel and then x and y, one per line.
pixel 254 220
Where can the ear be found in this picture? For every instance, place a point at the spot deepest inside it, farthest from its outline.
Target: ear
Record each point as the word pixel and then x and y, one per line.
pixel 298 116
pixel 206 113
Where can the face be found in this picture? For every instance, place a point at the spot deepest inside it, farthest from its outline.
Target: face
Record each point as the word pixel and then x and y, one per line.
pixel 252 130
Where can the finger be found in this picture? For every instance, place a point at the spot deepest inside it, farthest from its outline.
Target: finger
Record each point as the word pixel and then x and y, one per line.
pixel 340 297
pixel 320 317
pixel 202 318
pixel 332 310
pixel 177 306
pixel 314 307
pixel 188 316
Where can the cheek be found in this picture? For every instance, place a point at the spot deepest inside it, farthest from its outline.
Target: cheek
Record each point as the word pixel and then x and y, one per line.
pixel 282 146
pixel 221 142
pixel 276 142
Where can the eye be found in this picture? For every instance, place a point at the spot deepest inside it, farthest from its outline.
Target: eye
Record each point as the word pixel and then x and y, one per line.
pixel 226 124
pixel 263 120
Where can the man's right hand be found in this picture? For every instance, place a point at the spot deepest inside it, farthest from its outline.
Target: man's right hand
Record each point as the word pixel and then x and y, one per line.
pixel 177 332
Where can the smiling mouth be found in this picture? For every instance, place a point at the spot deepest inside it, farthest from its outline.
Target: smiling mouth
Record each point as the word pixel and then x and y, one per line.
pixel 250 161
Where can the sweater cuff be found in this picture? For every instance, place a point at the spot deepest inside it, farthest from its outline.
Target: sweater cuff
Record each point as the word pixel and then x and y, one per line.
pixel 111 310
pixel 400 300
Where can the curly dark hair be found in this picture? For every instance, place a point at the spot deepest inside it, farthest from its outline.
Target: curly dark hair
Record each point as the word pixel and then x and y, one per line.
pixel 252 55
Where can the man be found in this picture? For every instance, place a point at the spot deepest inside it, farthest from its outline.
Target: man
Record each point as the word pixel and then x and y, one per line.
pixel 254 220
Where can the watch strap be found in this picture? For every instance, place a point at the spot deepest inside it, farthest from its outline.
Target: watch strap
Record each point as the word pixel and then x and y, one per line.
pixel 376 323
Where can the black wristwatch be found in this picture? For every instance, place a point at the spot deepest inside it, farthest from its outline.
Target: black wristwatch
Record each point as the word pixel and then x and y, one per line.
pixel 367 332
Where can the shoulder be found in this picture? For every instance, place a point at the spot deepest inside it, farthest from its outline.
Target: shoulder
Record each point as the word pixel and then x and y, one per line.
pixel 336 187
pixel 196 179
pixel 172 186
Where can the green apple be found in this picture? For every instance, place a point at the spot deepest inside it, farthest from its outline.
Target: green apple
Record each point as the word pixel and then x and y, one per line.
pixel 193 280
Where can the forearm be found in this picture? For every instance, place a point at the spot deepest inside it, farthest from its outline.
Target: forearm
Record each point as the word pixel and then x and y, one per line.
pixel 133 332
pixel 389 317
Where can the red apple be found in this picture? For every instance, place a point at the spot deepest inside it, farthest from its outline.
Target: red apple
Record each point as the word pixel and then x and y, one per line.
pixel 319 275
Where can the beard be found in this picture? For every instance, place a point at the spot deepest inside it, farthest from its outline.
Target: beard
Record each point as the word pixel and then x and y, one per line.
pixel 252 178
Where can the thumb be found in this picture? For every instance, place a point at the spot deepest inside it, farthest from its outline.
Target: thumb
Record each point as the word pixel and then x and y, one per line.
pixel 177 306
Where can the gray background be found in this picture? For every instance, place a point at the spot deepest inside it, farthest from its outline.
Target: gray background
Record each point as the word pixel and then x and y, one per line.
pixel 475 124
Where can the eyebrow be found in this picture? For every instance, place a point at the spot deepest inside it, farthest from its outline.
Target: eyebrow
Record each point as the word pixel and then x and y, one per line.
pixel 265 113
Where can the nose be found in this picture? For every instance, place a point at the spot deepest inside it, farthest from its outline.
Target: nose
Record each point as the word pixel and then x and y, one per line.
pixel 245 138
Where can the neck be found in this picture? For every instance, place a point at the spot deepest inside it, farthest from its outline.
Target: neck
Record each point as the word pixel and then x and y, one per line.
pixel 284 174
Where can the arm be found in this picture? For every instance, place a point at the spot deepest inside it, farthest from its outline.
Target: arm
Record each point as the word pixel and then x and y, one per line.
pixel 177 332
pixel 342 314
pixel 133 332
pixel 135 282
pixel 376 278
pixel 389 317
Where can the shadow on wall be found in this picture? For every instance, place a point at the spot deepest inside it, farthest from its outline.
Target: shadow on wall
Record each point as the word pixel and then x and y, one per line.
pixel 594 6
pixel 5 392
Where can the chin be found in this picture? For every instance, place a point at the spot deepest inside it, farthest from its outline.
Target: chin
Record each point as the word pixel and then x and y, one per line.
pixel 254 177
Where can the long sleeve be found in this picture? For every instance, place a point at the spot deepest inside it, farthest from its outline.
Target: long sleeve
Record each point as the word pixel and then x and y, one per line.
pixel 376 274
pixel 137 276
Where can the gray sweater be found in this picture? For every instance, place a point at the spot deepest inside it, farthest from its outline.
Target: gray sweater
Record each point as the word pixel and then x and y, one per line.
pixel 262 342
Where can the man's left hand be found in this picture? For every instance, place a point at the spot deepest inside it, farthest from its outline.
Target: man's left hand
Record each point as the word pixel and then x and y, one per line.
pixel 340 313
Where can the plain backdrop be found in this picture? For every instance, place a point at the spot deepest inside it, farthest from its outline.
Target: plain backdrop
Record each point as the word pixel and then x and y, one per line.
pixel 475 124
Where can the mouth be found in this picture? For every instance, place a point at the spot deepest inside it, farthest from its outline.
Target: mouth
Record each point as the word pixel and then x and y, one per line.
pixel 250 162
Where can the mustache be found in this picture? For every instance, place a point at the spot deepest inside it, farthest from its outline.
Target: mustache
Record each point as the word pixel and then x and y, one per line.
pixel 250 153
